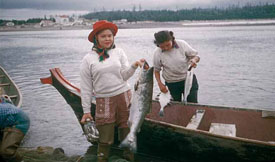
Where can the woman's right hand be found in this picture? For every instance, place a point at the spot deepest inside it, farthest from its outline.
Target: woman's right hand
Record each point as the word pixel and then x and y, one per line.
pixel 139 63
pixel 85 117
pixel 163 88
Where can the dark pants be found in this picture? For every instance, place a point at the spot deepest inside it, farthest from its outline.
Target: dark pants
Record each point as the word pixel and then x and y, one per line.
pixel 177 89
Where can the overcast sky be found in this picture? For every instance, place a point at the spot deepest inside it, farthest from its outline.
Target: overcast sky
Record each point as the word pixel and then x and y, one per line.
pixel 92 5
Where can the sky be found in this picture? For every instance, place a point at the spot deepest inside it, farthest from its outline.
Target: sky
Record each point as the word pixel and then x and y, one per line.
pixel 26 9
pixel 97 5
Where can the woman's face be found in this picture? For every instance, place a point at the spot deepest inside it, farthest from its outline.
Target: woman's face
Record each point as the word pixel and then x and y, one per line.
pixel 105 38
pixel 166 46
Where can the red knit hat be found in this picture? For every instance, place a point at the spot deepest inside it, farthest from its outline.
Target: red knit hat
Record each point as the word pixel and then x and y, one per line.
pixel 100 25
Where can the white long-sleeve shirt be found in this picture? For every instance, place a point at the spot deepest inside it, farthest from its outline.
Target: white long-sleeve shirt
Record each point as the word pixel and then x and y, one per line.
pixel 104 79
pixel 174 62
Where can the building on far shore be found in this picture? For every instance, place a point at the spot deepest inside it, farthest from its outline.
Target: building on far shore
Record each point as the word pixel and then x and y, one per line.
pixel 10 24
pixel 122 21
pixel 46 23
pixel 62 19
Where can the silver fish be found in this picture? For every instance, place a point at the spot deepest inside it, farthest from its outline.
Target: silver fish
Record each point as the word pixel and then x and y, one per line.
pixel 141 105
pixel 90 131
pixel 164 100
pixel 188 83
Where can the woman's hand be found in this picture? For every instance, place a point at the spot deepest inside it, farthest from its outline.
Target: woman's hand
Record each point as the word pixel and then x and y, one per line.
pixel 162 88
pixel 139 63
pixel 85 117
pixel 193 62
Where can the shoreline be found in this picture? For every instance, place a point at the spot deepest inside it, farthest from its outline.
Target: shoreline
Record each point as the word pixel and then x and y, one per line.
pixel 50 154
pixel 46 153
pixel 148 24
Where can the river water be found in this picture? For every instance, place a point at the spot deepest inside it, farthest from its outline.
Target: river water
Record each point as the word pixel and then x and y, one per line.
pixel 237 69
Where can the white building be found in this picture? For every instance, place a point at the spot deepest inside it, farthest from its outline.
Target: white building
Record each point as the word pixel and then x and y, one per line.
pixel 10 24
pixel 46 23
pixel 121 21
pixel 63 19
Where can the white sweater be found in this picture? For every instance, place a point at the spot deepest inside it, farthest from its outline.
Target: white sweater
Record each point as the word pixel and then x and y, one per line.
pixel 174 62
pixel 104 79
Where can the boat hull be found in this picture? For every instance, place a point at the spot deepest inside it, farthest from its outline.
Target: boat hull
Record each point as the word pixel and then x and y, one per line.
pixel 180 144
pixel 169 138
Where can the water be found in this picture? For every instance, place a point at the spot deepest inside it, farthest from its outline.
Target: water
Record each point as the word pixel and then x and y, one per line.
pixel 236 69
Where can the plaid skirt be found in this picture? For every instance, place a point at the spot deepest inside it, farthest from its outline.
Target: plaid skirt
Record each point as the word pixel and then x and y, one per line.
pixel 113 109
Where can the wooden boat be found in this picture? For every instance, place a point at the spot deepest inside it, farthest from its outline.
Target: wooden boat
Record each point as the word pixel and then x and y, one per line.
pixel 8 87
pixel 194 132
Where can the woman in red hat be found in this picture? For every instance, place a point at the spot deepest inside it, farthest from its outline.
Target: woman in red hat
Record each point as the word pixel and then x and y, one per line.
pixel 104 73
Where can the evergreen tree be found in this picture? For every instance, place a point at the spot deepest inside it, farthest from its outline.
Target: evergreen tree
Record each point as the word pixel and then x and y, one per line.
pixel 232 12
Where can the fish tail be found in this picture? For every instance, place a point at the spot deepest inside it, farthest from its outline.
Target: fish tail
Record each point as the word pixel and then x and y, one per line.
pixel 130 142
pixel 161 112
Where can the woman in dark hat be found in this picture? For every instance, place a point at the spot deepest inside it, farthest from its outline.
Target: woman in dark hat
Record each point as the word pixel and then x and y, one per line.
pixel 173 57
pixel 104 73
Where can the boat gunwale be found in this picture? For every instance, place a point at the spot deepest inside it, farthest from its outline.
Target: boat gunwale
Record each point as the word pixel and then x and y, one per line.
pixel 19 104
pixel 56 72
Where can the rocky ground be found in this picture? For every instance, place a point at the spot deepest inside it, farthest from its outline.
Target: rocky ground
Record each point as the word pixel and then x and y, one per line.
pixel 49 154
pixel 46 154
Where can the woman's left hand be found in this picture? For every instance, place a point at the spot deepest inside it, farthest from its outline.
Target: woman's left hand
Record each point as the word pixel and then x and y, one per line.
pixel 193 63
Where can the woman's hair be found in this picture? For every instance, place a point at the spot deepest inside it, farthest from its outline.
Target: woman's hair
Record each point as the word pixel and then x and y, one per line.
pixel 163 36
pixel 112 30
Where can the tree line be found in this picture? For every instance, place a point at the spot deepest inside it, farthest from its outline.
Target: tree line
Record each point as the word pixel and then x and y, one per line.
pixel 21 22
pixel 232 12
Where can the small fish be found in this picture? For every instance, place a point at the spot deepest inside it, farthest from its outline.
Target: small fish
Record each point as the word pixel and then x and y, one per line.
pixel 164 100
pixel 90 131
pixel 188 83
pixel 141 105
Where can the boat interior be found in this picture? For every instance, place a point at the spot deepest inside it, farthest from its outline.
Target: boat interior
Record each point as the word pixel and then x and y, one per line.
pixel 7 87
pixel 226 121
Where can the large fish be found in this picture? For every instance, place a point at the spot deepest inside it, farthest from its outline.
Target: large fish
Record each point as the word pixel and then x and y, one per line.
pixel 141 105
pixel 188 83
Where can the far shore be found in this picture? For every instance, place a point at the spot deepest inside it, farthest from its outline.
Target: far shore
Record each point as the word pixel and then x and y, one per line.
pixel 147 24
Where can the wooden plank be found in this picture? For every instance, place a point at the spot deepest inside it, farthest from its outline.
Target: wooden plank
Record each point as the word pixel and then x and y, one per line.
pixel 2 91
pixel 223 129
pixel 196 120
pixel 4 84
pixel 13 96
pixel 268 114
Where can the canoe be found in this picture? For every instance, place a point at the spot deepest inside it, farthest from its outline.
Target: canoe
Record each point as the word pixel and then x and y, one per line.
pixel 8 87
pixel 193 132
